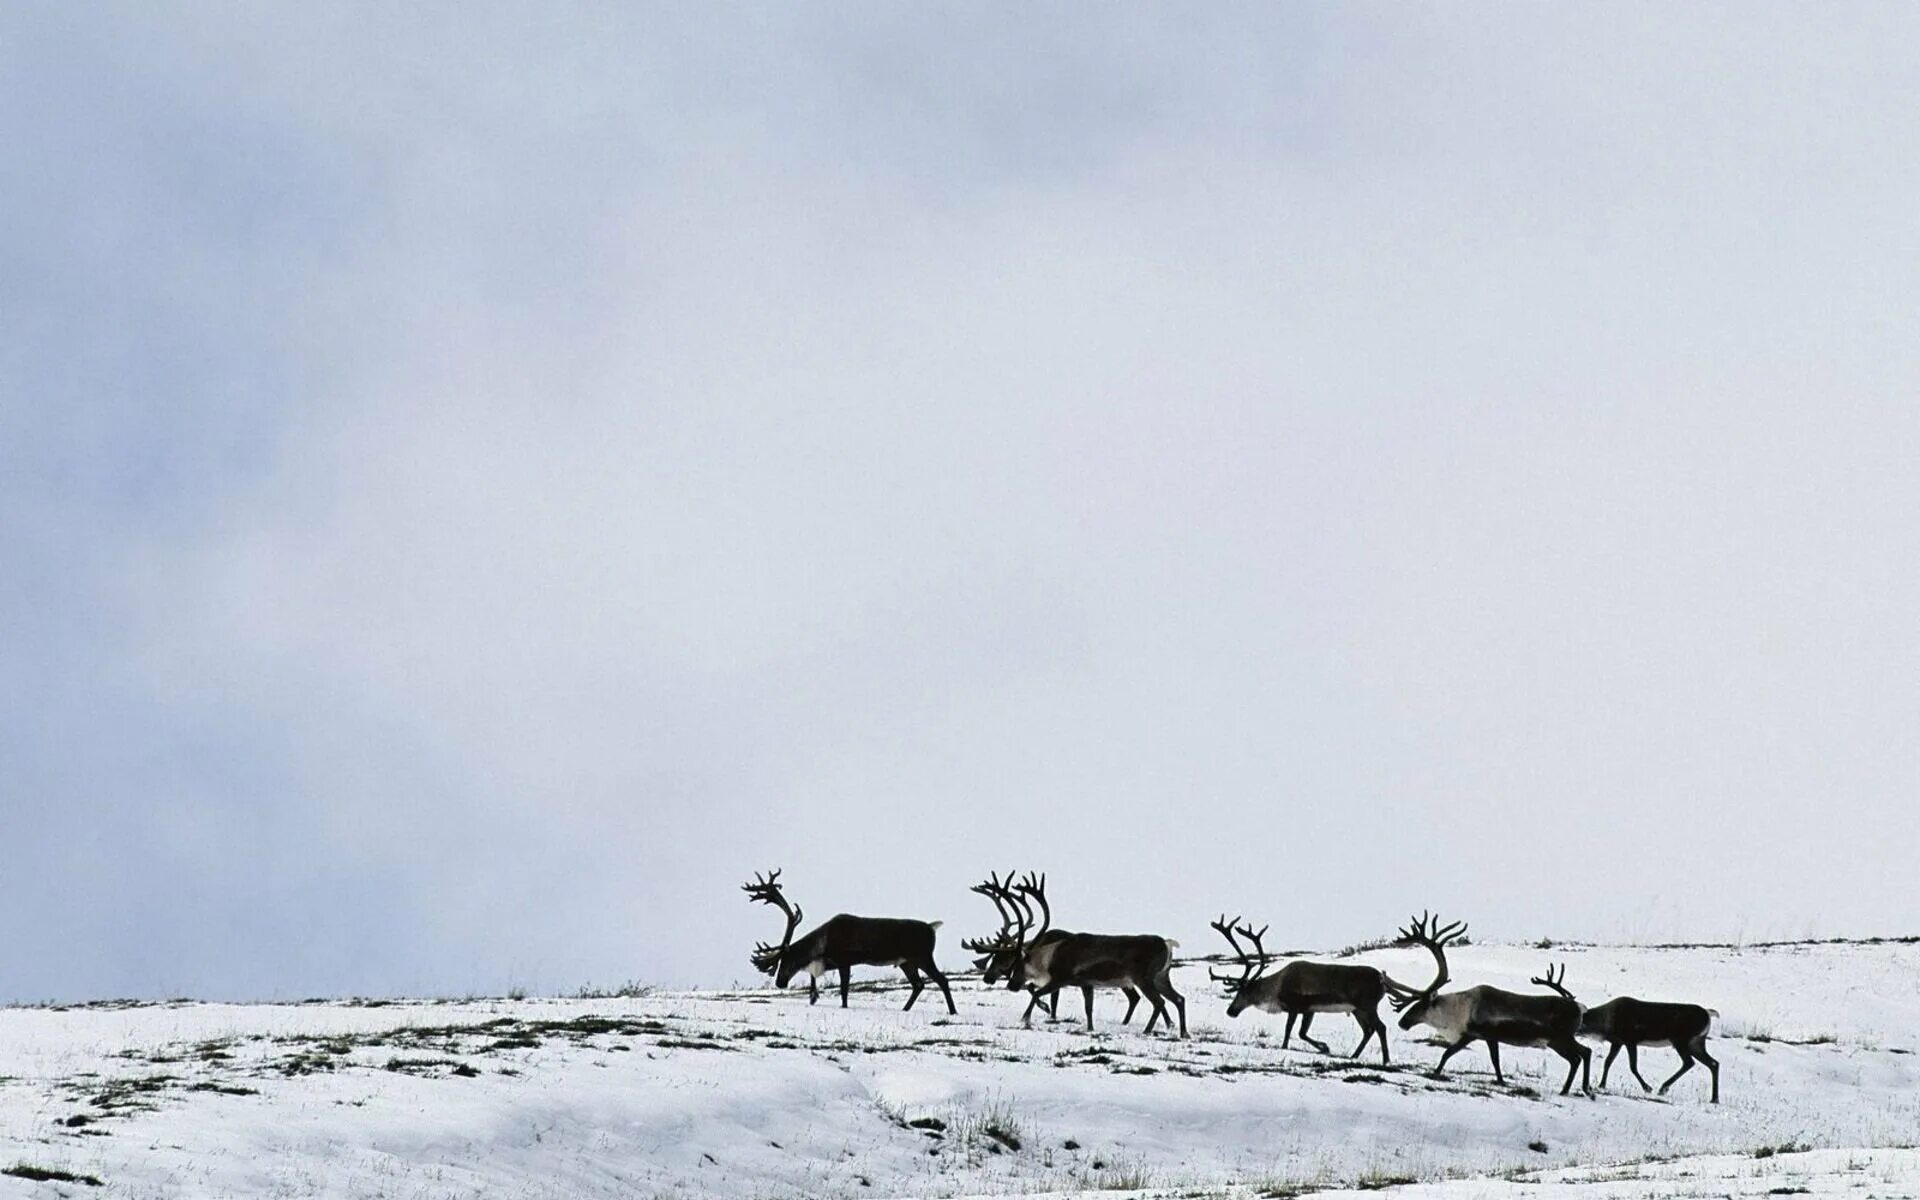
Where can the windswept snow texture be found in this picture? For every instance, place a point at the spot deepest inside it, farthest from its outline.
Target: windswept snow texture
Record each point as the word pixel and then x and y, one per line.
pixel 755 1094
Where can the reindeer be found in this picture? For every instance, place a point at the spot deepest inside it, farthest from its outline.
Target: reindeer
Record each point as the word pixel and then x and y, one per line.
pixel 1091 960
pixel 1301 989
pixel 1489 1014
pixel 842 943
pixel 1629 1022
pixel 998 953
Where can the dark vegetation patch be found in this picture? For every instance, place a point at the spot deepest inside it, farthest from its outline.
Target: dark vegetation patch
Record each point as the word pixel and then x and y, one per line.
pixel 23 1170
pixel 1002 1134
pixel 1818 1039
pixel 130 1094
pixel 691 1044
pixel 1782 1148
pixel 431 1067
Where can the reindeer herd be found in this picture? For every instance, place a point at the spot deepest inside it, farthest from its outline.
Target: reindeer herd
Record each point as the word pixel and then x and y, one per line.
pixel 1031 954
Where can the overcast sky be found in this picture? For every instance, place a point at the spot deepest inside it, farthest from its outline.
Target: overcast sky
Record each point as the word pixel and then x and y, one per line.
pixel 476 483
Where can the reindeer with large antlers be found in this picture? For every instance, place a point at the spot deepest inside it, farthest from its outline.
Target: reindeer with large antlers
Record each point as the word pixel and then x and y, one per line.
pixel 1490 1014
pixel 999 953
pixel 1301 989
pixel 1094 960
pixel 842 943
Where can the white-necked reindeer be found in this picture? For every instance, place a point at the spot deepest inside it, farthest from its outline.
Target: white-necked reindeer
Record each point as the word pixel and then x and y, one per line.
pixel 1490 1014
pixel 842 943
pixel 1301 989
pixel 999 953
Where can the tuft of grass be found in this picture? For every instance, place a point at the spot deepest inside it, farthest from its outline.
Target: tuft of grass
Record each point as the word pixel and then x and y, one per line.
pixel 1377 1180
pixel 1382 943
pixel 26 1170
pixel 632 989
pixel 1782 1148
pixel 430 1066
pixel 995 1128
pixel 1129 1177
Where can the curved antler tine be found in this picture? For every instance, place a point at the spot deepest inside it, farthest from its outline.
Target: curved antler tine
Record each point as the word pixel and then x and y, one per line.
pixel 1555 979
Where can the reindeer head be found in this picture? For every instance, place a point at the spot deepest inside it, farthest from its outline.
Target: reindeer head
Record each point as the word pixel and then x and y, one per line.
pixel 773 960
pixel 1031 888
pixel 1252 966
pixel 1413 1004
pixel 999 953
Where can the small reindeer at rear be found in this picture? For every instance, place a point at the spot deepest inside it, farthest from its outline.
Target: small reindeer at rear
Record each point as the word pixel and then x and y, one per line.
pixel 1633 1023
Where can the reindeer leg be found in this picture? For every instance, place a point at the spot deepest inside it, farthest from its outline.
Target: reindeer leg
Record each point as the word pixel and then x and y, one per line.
pixel 913 981
pixel 1577 1056
pixel 1033 1002
pixel 1449 1052
pixel 1165 984
pixel 1089 995
pixel 1380 1031
pixel 1306 1022
pixel 1713 1064
pixel 813 989
pixel 934 973
pixel 1286 1035
pixel 1133 1002
pixel 1686 1064
pixel 1366 1034
pixel 1613 1052
pixel 846 983
pixel 1493 1052
pixel 1157 999
pixel 1633 1064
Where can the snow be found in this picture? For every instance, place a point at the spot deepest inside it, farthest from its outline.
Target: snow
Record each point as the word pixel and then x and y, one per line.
pixel 755 1094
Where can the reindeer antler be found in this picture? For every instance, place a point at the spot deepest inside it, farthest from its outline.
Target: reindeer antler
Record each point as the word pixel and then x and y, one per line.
pixel 1427 931
pixel 1553 981
pixel 1251 965
pixel 765 889
pixel 1012 917
pixel 1036 887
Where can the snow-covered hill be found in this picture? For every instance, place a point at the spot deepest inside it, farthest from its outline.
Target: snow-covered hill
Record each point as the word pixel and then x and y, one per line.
pixel 754 1094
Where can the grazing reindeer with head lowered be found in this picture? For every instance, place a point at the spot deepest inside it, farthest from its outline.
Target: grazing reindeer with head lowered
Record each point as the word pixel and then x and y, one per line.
pixel 1490 1014
pixel 999 953
pixel 1094 960
pixel 1629 1022
pixel 842 943
pixel 1301 989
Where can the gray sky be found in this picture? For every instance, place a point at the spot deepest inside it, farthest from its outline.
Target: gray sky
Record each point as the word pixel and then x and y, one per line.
pixel 474 485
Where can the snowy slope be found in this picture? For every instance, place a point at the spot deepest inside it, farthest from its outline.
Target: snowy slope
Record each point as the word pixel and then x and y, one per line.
pixel 753 1094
